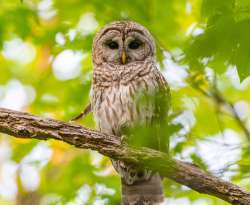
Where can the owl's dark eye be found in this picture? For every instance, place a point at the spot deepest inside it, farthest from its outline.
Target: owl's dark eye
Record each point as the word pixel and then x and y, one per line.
pixel 113 45
pixel 134 44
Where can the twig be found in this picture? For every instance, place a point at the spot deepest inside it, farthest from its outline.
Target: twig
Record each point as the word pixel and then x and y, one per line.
pixel 222 101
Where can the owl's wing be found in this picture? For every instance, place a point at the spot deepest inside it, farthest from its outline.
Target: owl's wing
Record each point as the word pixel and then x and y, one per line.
pixel 162 106
pixel 86 111
pixel 153 133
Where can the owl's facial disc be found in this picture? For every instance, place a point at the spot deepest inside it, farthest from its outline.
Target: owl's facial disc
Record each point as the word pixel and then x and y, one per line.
pixel 120 48
pixel 122 43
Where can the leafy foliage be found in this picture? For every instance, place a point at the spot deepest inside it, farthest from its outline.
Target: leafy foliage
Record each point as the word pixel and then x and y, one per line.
pixel 225 40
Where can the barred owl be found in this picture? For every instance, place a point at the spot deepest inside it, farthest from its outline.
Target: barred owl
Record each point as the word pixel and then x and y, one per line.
pixel 130 98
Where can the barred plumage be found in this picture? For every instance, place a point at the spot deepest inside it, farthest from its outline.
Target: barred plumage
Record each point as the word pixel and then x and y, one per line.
pixel 124 96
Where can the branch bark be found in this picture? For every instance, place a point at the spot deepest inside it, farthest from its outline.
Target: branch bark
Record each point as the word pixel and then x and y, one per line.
pixel 24 125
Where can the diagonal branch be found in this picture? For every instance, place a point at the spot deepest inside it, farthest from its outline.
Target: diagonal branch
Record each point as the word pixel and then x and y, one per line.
pixel 24 125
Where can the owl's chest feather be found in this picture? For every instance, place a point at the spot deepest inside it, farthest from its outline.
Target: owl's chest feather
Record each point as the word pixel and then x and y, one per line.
pixel 122 105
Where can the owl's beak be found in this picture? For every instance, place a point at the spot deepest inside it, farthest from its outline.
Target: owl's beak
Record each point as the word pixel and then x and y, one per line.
pixel 123 57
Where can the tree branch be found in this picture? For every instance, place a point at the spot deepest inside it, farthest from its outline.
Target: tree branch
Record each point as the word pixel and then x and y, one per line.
pixel 24 125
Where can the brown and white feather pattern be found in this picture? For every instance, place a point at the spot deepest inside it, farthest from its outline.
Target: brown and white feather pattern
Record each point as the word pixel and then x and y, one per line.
pixel 115 102
pixel 114 98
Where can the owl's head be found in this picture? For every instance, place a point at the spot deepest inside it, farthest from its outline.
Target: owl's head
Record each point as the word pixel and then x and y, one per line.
pixel 123 42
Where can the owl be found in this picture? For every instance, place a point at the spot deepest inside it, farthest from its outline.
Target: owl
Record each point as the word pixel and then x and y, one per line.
pixel 130 98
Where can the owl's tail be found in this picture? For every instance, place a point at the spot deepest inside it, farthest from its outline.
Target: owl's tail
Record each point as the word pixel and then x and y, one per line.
pixel 147 192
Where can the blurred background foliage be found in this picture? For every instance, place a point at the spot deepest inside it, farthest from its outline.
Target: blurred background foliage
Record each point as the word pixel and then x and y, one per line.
pixel 45 69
